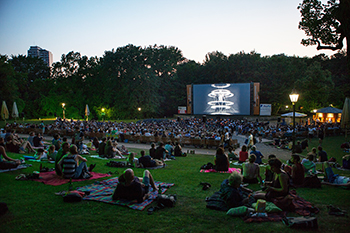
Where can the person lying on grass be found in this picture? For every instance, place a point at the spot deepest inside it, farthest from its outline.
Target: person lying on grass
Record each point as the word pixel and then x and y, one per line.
pixel 334 179
pixel 74 166
pixel 134 188
pixel 17 145
pixel 5 161
pixel 147 160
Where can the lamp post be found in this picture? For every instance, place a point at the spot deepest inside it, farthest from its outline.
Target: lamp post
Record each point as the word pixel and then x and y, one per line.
pixel 103 113
pixel 293 98
pixel 63 108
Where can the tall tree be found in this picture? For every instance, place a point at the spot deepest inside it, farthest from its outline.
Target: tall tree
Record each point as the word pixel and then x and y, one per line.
pixel 326 25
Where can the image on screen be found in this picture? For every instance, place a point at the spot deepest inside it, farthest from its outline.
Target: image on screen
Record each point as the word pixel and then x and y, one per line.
pixel 221 99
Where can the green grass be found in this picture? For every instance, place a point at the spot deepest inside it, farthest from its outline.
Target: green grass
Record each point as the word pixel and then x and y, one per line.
pixel 35 208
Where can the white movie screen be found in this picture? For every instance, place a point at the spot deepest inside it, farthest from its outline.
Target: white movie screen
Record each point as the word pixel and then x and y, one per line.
pixel 221 99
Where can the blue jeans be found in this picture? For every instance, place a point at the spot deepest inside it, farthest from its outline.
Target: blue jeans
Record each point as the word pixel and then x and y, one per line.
pixel 80 169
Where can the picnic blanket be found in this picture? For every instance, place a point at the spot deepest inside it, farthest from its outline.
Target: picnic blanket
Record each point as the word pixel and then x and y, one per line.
pixel 230 170
pixel 51 178
pixel 271 217
pixel 21 166
pixel 302 207
pixel 102 191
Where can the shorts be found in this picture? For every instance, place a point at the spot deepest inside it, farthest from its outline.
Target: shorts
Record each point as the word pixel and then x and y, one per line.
pixel 21 148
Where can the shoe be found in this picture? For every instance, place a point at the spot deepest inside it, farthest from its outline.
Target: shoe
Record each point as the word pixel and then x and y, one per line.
pixel 91 167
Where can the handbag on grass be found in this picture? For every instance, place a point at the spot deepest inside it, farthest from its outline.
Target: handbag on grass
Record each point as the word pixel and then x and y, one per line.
pixel 301 222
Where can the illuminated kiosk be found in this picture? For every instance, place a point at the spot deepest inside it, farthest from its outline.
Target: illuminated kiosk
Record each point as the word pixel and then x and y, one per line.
pixel 220 105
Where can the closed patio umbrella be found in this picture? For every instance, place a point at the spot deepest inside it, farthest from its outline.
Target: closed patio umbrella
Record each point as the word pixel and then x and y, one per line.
pixel 4 111
pixel 14 110
pixel 345 116
pixel 87 112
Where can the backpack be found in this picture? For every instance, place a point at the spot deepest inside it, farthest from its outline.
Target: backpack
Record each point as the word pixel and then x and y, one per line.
pixel 207 166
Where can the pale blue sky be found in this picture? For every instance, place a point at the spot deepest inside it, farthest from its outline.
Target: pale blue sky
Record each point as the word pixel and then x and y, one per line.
pixel 196 27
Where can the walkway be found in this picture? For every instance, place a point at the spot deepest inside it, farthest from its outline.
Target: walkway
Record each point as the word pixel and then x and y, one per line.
pixel 266 150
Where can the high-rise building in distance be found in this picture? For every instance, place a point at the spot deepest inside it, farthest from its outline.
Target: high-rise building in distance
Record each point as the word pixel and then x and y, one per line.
pixel 36 51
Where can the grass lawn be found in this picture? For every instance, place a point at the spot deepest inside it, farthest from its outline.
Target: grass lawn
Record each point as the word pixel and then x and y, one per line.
pixel 35 208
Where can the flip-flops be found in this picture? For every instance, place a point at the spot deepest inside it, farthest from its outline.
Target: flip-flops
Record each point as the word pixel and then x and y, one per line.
pixel 21 177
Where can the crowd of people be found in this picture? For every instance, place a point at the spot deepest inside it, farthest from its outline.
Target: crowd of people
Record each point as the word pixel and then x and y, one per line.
pixel 69 163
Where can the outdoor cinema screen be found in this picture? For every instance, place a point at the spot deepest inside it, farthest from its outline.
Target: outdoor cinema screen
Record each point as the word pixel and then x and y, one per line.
pixel 221 99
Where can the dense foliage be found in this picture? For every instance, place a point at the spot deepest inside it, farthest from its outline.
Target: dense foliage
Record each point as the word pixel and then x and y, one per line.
pixel 155 78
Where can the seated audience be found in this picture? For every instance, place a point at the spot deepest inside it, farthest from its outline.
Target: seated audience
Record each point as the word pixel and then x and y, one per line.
pixel 178 150
pixel 298 171
pixel 60 153
pixel 231 154
pixel 74 166
pixel 257 154
pixel 251 171
pixel 5 161
pixel 38 141
pixel 160 152
pixel 221 162
pixel 134 188
pixel 52 152
pixel 322 155
pixel 101 147
pixel 309 165
pixel 152 151
pixel 280 184
pixel 269 174
pixel 243 154
pixel 232 191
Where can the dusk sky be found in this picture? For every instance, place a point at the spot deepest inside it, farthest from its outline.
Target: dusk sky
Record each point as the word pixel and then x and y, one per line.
pixel 196 27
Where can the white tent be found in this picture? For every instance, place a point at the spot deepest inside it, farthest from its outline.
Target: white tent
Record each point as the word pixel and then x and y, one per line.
pixel 297 114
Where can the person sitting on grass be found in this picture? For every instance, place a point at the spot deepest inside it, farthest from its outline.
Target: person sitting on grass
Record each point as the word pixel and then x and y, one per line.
pixel 231 154
pixel 101 147
pixel 251 171
pixel 309 165
pixel 221 161
pixel 51 154
pixel 38 141
pixel 5 161
pixel 269 174
pixel 160 152
pixel 280 184
pixel 74 166
pixel 322 155
pixel 60 153
pixel 134 188
pixel 231 191
pixel 152 151
pixel 243 154
pixel 178 150
pixel 257 154
pixel 297 171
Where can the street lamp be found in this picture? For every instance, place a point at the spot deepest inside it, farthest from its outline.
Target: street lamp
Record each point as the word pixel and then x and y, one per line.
pixel 63 108
pixel 103 113
pixel 293 98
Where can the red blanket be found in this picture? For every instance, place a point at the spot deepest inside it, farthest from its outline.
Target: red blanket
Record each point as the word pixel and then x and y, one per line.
pixel 230 170
pixel 51 178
